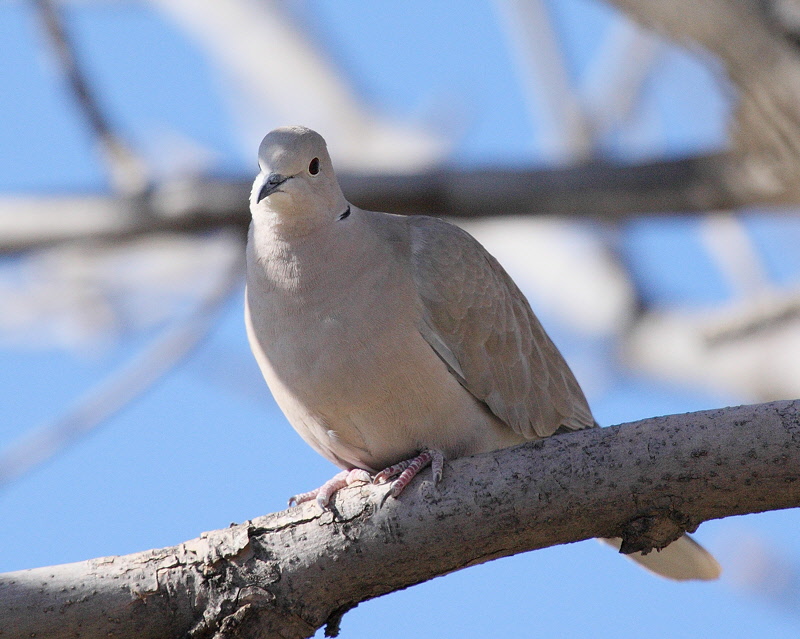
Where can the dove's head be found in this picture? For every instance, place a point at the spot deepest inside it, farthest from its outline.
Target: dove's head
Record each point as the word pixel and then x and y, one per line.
pixel 296 182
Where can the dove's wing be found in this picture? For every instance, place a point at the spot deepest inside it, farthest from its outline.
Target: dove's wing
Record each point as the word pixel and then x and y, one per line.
pixel 481 325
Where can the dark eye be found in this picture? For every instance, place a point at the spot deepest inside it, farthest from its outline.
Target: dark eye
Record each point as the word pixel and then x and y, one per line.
pixel 313 166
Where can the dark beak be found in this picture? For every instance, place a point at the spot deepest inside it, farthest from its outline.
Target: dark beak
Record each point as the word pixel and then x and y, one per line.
pixel 271 185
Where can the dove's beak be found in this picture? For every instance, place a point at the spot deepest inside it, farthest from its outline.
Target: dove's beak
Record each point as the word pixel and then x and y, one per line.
pixel 271 185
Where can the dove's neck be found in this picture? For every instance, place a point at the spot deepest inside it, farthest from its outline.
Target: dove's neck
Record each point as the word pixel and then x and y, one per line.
pixel 289 227
pixel 325 255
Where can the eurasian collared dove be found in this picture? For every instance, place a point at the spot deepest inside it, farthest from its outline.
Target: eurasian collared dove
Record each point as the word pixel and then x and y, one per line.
pixel 391 342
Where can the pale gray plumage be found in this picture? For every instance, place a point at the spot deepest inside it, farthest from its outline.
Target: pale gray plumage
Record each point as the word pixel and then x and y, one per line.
pixel 381 336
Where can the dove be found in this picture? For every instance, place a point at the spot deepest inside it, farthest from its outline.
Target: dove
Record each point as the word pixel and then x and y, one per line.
pixel 395 342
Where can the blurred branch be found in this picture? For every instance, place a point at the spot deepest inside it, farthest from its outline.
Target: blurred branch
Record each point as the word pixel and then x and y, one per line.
pixel 759 52
pixel 128 174
pixel 732 248
pixel 746 347
pixel 617 76
pixel 544 74
pixel 647 482
pixel 757 49
pixel 246 39
pixel 126 384
pixel 600 190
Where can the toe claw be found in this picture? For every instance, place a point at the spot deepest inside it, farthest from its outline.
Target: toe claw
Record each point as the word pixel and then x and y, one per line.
pixel 301 498
pixel 386 496
pixel 437 466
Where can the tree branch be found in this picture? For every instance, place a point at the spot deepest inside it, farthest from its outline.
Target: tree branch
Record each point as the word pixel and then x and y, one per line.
pixel 757 49
pixel 288 573
pixel 759 52
pixel 128 173
pixel 177 340
pixel 599 189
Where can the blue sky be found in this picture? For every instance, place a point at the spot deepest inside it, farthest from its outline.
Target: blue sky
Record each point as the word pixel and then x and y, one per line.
pixel 207 446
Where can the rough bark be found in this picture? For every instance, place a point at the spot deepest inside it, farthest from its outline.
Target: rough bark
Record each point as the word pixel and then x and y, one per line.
pixel 288 573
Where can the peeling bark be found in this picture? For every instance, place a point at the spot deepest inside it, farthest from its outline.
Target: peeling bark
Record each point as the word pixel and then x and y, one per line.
pixel 289 573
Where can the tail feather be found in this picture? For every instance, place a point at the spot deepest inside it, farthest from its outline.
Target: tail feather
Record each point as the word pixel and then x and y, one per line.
pixel 683 560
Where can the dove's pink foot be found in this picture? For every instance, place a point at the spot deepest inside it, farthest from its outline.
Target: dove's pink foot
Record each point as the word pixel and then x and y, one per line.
pixel 324 493
pixel 409 468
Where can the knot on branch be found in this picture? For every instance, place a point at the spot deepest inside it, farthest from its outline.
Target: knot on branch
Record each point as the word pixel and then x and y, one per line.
pixel 653 531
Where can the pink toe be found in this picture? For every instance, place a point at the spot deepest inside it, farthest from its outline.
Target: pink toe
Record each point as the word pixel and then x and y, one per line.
pixel 413 466
pixel 324 493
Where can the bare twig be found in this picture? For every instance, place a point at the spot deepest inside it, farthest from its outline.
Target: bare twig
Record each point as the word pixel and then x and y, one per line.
pixel 306 87
pixel 126 384
pixel 762 62
pixel 128 174
pixel 545 77
pixel 617 76
pixel 597 190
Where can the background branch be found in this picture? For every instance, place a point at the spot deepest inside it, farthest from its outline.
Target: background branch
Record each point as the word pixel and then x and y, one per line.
pixel 757 50
pixel 288 573
pixel 128 173
pixel 173 344
pixel 759 53
pixel 598 189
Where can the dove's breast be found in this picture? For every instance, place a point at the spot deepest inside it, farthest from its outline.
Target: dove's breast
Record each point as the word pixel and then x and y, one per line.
pixel 345 360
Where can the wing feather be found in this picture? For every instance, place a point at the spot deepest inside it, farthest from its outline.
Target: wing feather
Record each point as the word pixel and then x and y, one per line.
pixel 483 328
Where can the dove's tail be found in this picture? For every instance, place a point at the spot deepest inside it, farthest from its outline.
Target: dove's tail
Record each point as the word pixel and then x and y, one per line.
pixel 684 559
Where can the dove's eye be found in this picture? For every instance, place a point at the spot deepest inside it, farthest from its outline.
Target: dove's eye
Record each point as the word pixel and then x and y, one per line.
pixel 313 166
